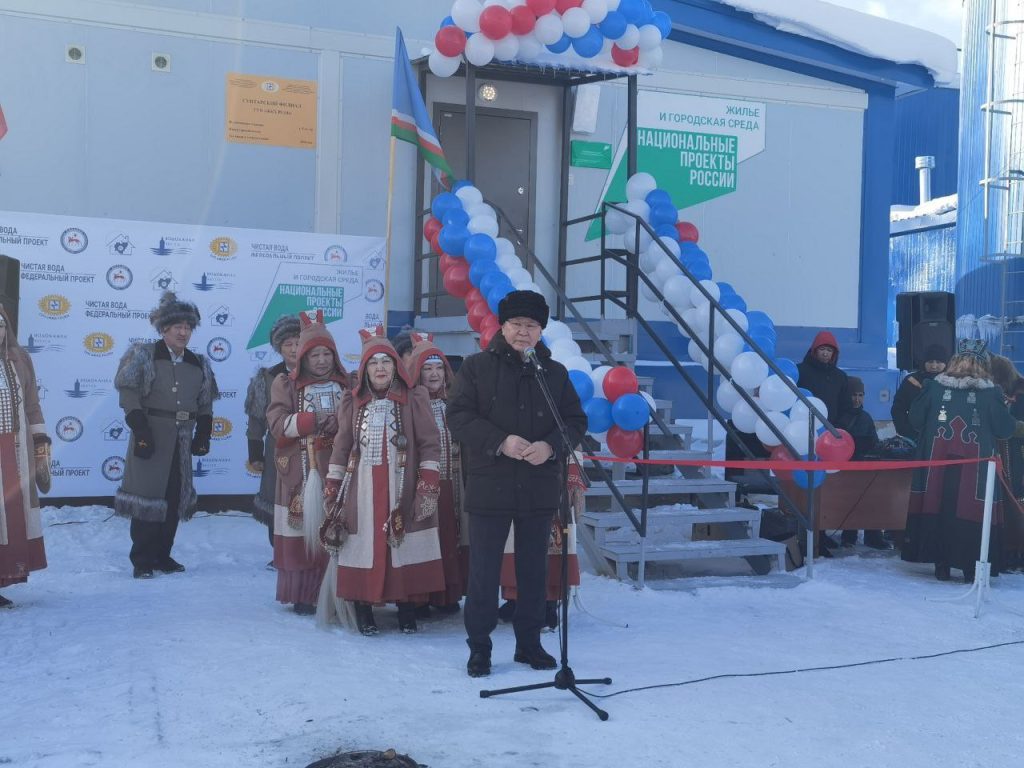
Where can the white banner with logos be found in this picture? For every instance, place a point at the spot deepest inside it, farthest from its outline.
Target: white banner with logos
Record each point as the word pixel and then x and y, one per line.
pixel 88 285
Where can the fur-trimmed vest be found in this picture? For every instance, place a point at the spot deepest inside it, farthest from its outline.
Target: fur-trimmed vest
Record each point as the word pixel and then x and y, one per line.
pixel 148 381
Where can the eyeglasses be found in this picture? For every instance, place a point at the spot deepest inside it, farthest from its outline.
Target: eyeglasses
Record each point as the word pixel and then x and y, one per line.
pixel 519 325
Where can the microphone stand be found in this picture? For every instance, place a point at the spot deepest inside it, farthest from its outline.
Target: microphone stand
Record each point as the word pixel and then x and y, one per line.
pixel 565 678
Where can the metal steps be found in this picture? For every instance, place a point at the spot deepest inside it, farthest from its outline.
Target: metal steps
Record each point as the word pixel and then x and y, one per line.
pixel 623 554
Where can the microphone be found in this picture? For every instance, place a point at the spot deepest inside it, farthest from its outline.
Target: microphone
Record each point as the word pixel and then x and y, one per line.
pixel 530 356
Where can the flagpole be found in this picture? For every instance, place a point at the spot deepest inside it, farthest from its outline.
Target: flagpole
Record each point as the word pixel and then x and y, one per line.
pixel 387 239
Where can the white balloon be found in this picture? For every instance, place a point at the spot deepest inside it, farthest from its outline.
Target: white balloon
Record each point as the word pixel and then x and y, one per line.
pixel 796 433
pixel 744 417
pixel 693 319
pixel 748 369
pixel 764 434
pixel 596 10
pixel 630 38
pixel 504 245
pixel 727 347
pixel 696 355
pixel 613 5
pixel 507 261
pixel 699 299
pixel 639 185
pixel 597 376
pixel 443 66
pixel 649 259
pixel 489 3
pixel 563 349
pixel 640 209
pixel 666 268
pixel 671 245
pixel 479 49
pixel 529 47
pixel 466 15
pixel 530 287
pixel 722 326
pixel 617 222
pixel 629 240
pixel 483 224
pixel 799 411
pixel 727 395
pixel 578 363
pixel 555 330
pixel 650 37
pixel 777 394
pixel 524 285
pixel 470 196
pixel 549 29
pixel 676 291
pixel 518 275
pixel 651 59
pixel 507 48
pixel 576 22
pixel 481 209
pixel 647 293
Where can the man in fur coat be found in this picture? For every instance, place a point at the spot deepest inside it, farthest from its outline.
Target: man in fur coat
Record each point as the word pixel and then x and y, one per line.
pixel 167 394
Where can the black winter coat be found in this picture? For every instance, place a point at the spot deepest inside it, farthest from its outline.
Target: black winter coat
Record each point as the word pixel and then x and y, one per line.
pixel 909 390
pixel 828 383
pixel 495 395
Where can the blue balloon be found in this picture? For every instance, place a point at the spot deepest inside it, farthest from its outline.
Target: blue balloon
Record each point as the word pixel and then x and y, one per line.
pixel 758 317
pixel 456 217
pixel 494 279
pixel 443 203
pixel 658 197
pixel 667 230
pixel 453 240
pixel 690 247
pixel 663 214
pixel 726 288
pixel 701 271
pixel 805 479
pixel 806 392
pixel 630 412
pixel 599 414
pixel 496 294
pixel 480 247
pixel 590 44
pixel 480 268
pixel 583 384
pixel 561 45
pixel 633 11
pixel 614 25
pixel 447 21
pixel 732 301
pixel 788 367
pixel 663 22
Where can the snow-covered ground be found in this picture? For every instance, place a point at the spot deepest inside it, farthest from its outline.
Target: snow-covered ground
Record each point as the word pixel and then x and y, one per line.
pixel 204 669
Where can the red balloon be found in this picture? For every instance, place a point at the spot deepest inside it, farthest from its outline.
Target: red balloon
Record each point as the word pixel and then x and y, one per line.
pixel 450 41
pixel 430 228
pixel 474 297
pixel 434 245
pixel 490 323
pixel 565 5
pixel 456 281
pixel 523 20
pixel 779 453
pixel 540 7
pixel 476 315
pixel 620 381
pixel 687 232
pixel 625 57
pixel 625 444
pixel 495 22
pixel 486 336
pixel 447 261
pixel 832 448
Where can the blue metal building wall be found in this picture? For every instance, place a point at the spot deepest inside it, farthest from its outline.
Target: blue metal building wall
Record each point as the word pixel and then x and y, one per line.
pixel 923 260
pixel 927 123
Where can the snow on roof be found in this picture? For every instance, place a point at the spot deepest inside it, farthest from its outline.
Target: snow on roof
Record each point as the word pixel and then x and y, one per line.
pixel 859 32
pixel 937 212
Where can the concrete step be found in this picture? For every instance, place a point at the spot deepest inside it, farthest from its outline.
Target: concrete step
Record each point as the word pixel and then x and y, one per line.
pixel 665 486
pixel 623 554
pixel 683 515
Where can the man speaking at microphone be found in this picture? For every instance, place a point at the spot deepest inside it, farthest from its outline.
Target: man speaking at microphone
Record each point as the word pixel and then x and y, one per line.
pixel 514 459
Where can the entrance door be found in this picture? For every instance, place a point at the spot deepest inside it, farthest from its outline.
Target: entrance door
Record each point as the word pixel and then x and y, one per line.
pixel 506 143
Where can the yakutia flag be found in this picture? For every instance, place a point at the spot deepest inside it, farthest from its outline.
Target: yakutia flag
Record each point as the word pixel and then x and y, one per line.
pixel 409 119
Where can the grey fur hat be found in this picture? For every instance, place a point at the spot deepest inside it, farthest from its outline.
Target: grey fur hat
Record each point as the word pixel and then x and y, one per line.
pixel 285 327
pixel 171 311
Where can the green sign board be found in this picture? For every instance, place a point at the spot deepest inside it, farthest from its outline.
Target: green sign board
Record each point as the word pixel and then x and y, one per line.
pixel 292 298
pixel 591 154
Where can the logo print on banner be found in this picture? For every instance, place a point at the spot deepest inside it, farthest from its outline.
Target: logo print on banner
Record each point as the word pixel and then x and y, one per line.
pixel 222 317
pixel 374 290
pixel 336 255
pixel 115 430
pixel 223 248
pixel 119 277
pixel 208 466
pixel 219 349
pixel 74 240
pixel 55 306
pixel 163 280
pixel 69 429
pixel 113 468
pixel 40 342
pixel 98 344
pixel 222 428
pixel 206 283
pixel 121 245
pixel 167 246
pixel 77 392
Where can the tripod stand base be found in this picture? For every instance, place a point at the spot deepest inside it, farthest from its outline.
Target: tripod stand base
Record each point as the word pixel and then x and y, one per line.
pixel 565 680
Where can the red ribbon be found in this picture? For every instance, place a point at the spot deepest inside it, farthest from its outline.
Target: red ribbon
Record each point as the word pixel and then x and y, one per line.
pixel 856 466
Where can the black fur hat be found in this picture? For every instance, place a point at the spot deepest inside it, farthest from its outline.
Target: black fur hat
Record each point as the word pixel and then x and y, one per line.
pixel 523 304
pixel 285 327
pixel 171 311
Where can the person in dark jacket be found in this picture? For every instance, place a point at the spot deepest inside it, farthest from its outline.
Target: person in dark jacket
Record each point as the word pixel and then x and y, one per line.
pixel 514 460
pixel 935 357
pixel 1007 378
pixel 861 427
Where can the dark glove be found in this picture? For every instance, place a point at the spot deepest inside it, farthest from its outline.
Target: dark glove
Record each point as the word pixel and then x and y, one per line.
pixel 143 446
pixel 255 451
pixel 201 438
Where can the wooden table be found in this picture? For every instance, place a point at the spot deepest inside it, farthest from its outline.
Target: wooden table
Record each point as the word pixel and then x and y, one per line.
pixel 875 500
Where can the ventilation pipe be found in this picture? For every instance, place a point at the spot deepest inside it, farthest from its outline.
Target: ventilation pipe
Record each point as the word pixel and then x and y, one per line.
pixel 924 165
